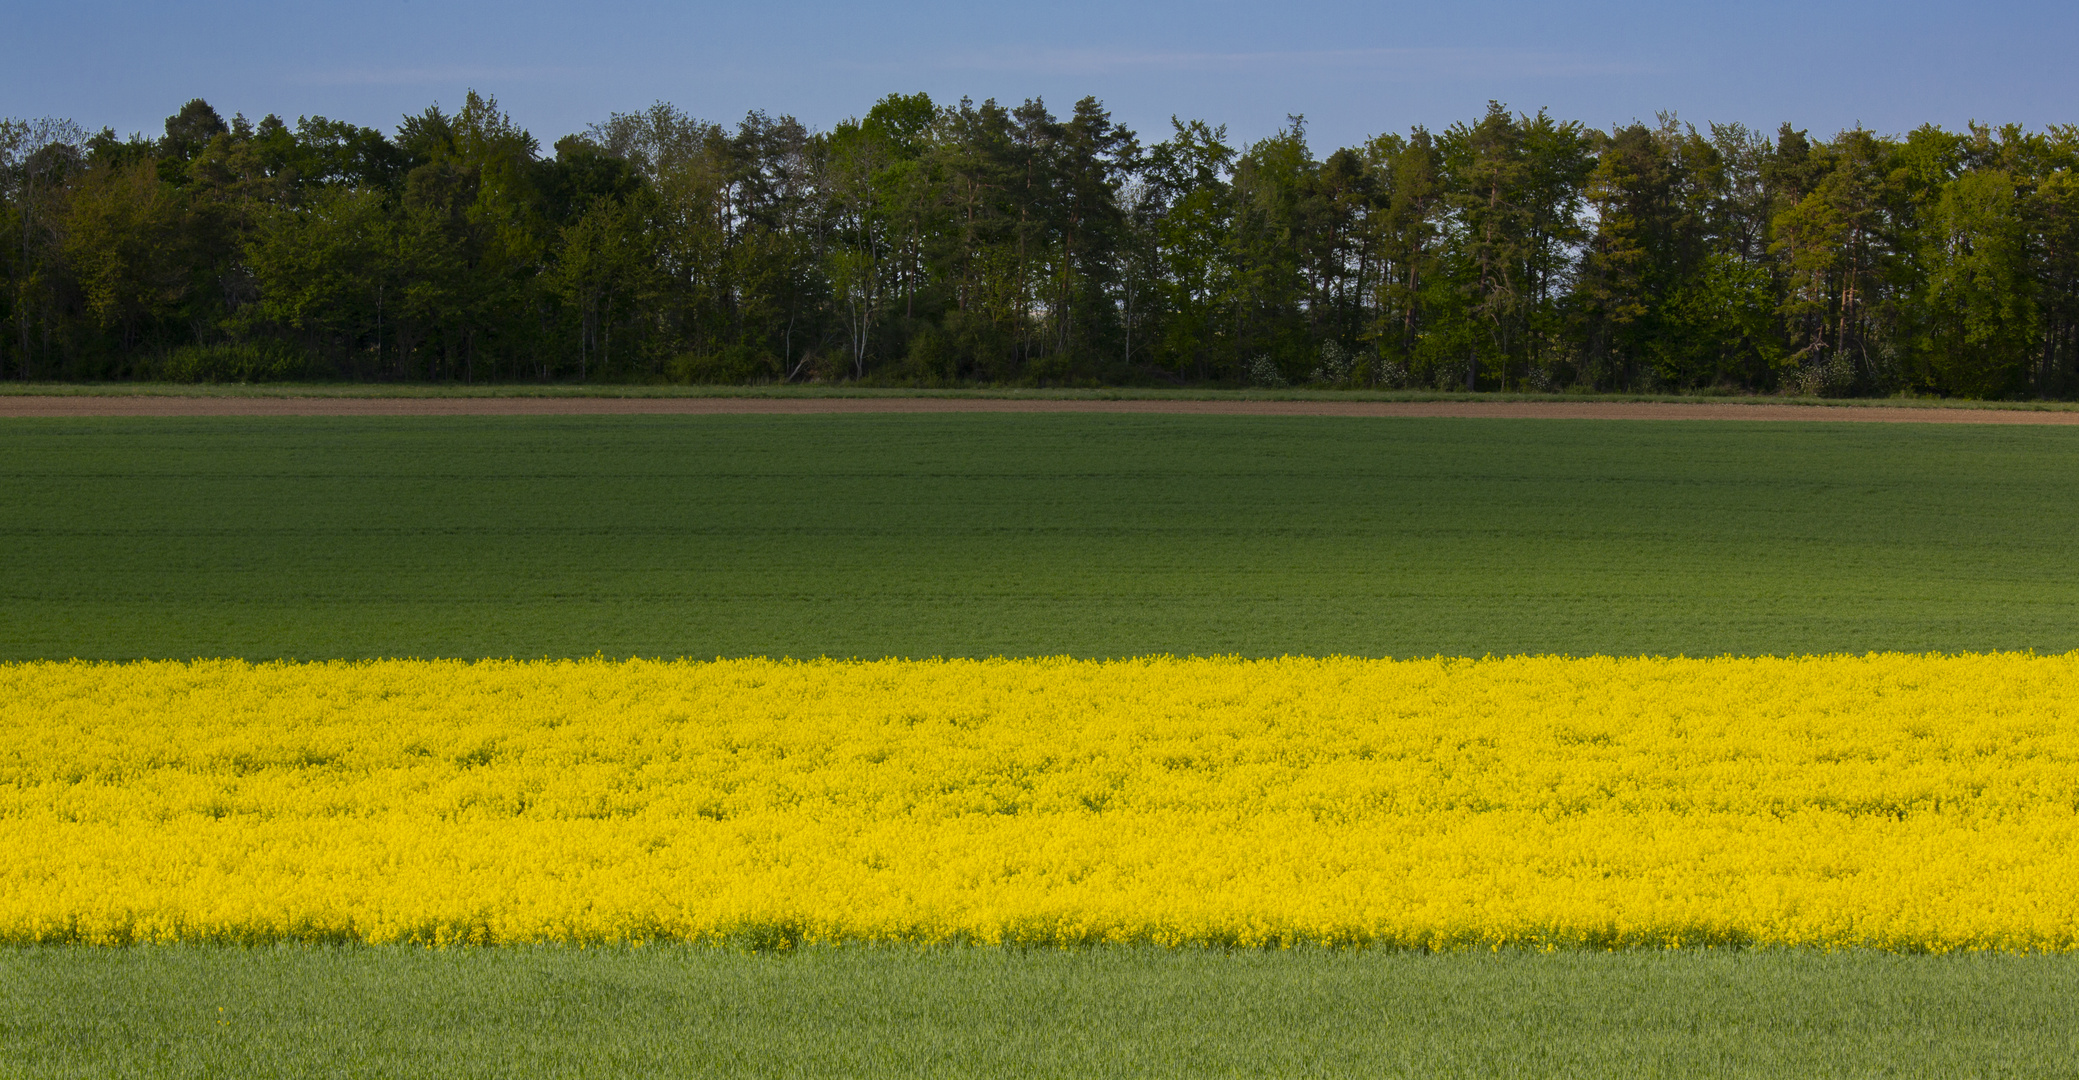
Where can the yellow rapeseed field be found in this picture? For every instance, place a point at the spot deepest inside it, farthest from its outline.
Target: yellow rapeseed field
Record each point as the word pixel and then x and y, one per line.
pixel 1894 801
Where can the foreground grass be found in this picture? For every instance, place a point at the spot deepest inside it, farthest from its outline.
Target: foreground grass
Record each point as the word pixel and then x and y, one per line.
pixel 974 1012
pixel 972 535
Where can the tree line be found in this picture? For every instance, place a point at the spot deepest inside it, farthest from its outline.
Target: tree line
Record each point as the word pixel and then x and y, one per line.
pixel 936 244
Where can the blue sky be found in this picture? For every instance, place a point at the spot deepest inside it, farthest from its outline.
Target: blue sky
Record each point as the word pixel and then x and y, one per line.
pixel 1354 69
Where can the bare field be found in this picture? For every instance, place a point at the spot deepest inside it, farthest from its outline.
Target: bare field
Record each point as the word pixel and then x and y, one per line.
pixel 167 405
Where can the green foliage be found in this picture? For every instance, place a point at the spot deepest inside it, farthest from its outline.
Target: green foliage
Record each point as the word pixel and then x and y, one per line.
pixel 268 361
pixel 1007 244
pixel 1980 308
pixel 1263 371
pixel 731 364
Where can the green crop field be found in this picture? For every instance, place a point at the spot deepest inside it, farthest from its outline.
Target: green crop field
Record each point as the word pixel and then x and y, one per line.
pixel 1091 535
pixel 868 1012
pixel 1020 535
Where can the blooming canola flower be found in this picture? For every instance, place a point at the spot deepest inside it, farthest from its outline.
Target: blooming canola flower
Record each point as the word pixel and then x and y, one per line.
pixel 1898 801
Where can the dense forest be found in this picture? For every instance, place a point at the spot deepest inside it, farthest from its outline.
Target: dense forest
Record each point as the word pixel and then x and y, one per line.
pixel 976 243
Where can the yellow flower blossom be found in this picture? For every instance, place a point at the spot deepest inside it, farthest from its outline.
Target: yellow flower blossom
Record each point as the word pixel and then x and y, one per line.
pixel 1890 801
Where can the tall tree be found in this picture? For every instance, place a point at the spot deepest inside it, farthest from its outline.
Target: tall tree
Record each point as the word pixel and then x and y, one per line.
pixel 1837 252
pixel 1488 177
pixel 1190 210
pixel 1982 318
pixel 38 160
pixel 1406 232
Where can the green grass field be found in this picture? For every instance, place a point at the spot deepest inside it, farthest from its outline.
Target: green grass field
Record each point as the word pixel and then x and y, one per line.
pixel 1023 534
pixel 1019 534
pixel 863 1012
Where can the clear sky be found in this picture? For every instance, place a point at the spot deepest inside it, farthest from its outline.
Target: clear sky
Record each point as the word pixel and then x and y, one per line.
pixel 1352 68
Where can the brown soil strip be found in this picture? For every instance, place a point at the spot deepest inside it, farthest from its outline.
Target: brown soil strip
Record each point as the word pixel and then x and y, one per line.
pixel 57 406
